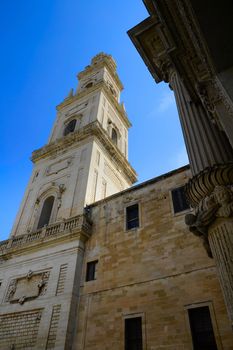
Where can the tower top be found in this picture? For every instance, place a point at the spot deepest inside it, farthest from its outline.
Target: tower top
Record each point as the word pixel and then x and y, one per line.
pixel 99 61
pixel 103 57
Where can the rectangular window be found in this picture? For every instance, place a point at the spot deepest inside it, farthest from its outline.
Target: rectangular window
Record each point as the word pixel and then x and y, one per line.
pixel 201 329
pixel 91 270
pixel 133 333
pixel 179 200
pixel 132 217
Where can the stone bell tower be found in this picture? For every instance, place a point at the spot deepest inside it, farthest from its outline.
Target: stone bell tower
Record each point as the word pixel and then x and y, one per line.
pixel 85 159
pixel 41 264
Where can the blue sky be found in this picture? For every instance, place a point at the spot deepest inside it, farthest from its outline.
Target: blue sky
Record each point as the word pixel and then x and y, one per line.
pixel 45 43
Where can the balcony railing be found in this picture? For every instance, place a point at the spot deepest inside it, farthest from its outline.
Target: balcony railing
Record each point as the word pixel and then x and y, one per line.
pixel 78 223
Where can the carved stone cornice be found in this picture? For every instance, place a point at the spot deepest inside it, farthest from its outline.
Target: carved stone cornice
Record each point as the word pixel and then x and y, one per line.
pixel 211 194
pixel 96 87
pixel 203 184
pixel 155 45
pixel 92 129
pixel 171 34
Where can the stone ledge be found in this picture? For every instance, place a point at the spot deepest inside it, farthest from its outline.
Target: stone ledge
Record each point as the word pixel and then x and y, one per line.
pixel 92 129
pixel 79 225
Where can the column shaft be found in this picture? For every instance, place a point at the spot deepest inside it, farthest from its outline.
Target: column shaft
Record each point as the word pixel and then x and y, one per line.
pixel 221 243
pixel 206 144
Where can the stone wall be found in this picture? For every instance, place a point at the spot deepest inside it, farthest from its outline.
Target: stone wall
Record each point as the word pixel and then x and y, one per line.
pixel 156 271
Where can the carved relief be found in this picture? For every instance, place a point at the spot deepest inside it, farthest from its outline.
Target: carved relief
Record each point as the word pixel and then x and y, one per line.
pixel 28 287
pixel 58 166
pixel 219 204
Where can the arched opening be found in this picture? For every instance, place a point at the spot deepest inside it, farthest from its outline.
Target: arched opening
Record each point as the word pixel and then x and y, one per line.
pixel 46 212
pixel 114 136
pixel 89 85
pixel 70 127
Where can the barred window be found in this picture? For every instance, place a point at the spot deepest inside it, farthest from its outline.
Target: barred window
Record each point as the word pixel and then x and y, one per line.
pixel 132 217
pixel 179 200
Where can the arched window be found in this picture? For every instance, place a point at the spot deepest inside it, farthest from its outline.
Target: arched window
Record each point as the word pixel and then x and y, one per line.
pixel 70 127
pixel 89 85
pixel 46 212
pixel 114 136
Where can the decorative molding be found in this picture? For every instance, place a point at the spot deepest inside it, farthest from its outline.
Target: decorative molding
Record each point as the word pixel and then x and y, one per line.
pixel 27 287
pixel 92 129
pixel 219 204
pixel 97 87
pixel 204 183
pixel 58 166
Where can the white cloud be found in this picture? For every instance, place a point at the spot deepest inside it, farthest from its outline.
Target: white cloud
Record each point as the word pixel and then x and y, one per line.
pixel 180 158
pixel 167 101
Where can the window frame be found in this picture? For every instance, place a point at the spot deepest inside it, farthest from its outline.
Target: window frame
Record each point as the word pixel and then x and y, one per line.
pixel 142 315
pixel 41 209
pixel 125 217
pixel 38 207
pixel 213 321
pixel 95 264
pixel 172 205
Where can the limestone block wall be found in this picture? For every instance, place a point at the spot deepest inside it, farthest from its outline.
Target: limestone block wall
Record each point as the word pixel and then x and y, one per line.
pixel 157 271
pixel 39 318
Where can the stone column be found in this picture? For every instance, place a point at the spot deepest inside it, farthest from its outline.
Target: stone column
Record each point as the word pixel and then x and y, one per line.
pixel 210 191
pixel 220 236
pixel 206 144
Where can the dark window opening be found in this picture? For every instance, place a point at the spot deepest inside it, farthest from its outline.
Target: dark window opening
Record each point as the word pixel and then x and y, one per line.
pixel 46 212
pixel 70 127
pixel 91 270
pixel 114 136
pixel 179 200
pixel 89 85
pixel 132 217
pixel 201 329
pixel 133 333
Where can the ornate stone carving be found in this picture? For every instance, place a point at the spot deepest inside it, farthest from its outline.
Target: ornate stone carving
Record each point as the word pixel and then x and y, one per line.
pixel 207 102
pixel 219 204
pixel 28 287
pixel 222 95
pixel 203 184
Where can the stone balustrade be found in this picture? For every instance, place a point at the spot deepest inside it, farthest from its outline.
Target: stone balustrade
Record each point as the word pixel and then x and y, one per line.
pixel 78 223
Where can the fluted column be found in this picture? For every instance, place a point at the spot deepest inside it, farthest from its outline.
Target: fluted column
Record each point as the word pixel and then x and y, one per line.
pixel 210 190
pixel 206 144
pixel 220 236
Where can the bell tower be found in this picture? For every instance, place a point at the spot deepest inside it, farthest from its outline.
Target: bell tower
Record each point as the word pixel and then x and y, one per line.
pixel 85 158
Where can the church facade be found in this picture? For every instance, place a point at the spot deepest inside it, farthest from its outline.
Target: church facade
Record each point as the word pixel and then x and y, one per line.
pixel 94 263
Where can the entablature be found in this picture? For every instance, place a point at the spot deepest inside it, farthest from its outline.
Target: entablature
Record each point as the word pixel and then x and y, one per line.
pixel 92 129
